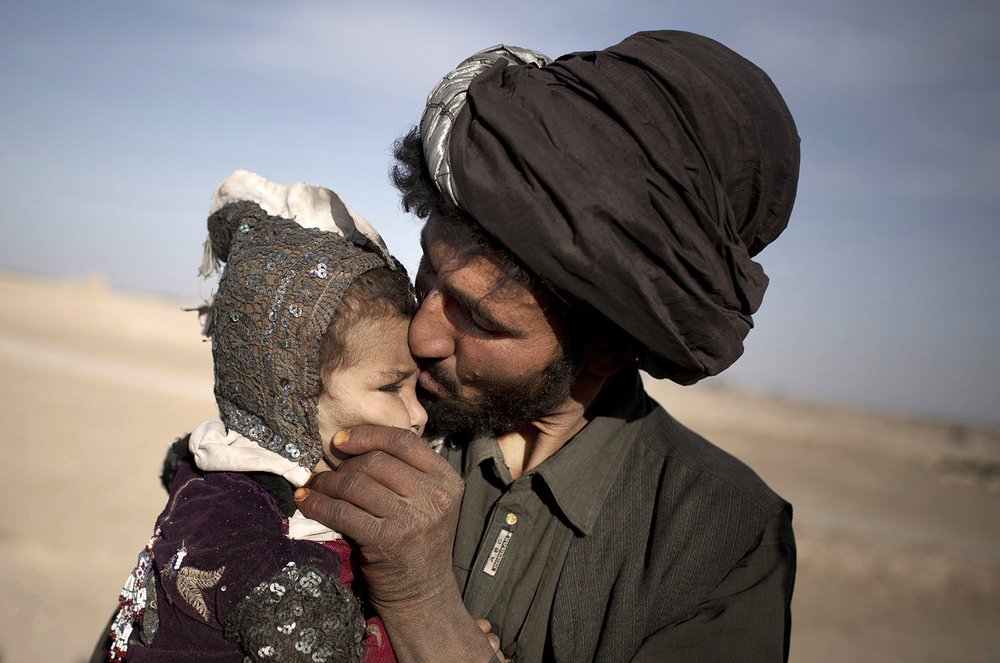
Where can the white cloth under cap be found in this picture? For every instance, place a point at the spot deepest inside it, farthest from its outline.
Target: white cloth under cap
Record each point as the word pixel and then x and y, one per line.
pixel 309 205
pixel 216 449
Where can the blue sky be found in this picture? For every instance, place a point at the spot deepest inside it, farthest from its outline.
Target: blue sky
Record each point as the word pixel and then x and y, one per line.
pixel 117 120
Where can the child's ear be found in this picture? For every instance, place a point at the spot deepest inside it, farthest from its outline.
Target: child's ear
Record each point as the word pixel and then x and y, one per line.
pixel 604 357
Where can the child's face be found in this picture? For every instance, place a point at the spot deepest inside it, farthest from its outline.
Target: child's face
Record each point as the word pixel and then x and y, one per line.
pixel 380 386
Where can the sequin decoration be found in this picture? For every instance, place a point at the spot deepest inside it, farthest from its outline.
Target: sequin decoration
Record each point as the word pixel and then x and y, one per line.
pixel 175 562
pixel 134 601
pixel 300 611
pixel 275 261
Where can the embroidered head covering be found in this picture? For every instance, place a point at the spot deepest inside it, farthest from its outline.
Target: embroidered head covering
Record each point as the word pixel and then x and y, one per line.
pixel 280 288
pixel 640 180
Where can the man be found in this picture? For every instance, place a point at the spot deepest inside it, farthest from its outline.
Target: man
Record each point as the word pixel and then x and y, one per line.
pixel 585 218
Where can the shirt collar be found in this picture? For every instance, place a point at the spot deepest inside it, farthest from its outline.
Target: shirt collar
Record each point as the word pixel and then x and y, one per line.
pixel 484 448
pixel 593 458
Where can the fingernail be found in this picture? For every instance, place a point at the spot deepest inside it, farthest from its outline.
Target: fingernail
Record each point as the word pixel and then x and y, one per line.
pixel 340 439
pixel 300 494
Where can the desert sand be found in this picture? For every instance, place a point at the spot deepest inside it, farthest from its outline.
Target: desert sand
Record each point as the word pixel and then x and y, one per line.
pixel 897 518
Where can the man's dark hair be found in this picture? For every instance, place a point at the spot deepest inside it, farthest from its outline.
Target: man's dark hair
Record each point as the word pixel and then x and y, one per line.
pixel 422 197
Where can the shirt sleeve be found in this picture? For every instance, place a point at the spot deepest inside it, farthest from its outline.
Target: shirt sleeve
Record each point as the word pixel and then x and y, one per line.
pixel 746 618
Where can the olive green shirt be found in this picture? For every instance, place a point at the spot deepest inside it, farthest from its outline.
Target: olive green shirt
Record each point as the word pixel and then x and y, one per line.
pixel 638 540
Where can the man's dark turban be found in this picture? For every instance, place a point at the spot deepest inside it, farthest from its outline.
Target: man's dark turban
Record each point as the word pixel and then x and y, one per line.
pixel 640 179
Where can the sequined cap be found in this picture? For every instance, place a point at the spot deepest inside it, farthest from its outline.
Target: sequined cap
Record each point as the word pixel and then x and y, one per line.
pixel 279 290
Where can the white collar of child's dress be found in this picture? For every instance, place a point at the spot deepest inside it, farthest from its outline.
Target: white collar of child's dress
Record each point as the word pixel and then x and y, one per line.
pixel 217 450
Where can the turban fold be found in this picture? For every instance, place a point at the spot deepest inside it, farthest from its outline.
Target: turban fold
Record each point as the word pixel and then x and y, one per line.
pixel 640 180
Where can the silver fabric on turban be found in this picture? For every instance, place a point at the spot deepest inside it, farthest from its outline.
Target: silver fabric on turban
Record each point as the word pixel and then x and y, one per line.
pixel 447 99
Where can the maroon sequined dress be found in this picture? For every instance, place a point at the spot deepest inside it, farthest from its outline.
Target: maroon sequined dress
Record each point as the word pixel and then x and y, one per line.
pixel 221 581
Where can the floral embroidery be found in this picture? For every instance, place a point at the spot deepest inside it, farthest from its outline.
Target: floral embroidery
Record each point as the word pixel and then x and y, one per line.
pixel 191 582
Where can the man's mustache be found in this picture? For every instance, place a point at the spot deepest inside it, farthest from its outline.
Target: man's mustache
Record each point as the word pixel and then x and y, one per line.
pixel 441 375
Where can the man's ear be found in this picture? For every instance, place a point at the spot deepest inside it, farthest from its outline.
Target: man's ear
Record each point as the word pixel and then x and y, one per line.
pixel 604 357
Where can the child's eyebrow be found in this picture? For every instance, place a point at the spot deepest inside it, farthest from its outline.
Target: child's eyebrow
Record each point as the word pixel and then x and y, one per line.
pixel 396 375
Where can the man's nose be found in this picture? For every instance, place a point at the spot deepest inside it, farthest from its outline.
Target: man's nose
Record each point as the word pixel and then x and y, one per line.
pixel 430 334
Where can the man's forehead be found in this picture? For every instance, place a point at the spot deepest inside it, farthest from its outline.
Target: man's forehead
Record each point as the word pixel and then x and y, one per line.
pixel 449 257
pixel 477 274
pixel 453 237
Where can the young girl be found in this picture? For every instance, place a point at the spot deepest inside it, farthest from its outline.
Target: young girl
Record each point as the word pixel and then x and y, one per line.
pixel 308 333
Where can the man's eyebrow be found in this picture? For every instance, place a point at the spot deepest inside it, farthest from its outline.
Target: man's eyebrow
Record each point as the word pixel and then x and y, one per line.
pixel 465 299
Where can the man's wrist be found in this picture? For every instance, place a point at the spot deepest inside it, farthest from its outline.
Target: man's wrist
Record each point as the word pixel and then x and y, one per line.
pixel 435 627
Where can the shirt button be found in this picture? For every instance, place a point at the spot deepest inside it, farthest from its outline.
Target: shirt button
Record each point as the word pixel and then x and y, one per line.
pixel 511 518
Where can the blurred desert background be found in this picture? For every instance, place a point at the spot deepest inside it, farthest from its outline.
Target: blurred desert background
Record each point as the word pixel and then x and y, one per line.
pixel 896 518
pixel 117 120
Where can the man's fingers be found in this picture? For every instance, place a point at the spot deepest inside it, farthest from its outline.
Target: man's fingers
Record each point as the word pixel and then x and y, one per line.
pixel 437 492
pixel 360 489
pixel 398 500
pixel 402 462
pixel 342 516
pixel 400 443
pixel 487 629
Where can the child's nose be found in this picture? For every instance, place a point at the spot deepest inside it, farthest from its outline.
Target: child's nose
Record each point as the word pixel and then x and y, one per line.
pixel 418 416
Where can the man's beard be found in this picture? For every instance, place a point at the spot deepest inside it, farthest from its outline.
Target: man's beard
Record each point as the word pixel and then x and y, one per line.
pixel 501 406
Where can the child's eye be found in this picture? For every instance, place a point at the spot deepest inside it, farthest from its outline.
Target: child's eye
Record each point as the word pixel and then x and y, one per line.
pixel 391 388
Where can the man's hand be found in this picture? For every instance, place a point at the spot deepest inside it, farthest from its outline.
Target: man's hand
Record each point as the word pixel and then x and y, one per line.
pixel 399 501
